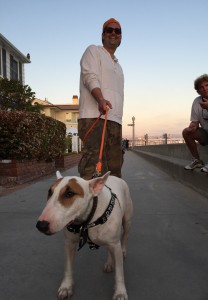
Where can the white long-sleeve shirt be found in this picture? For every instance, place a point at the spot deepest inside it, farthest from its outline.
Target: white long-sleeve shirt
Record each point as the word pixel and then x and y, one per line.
pixel 99 70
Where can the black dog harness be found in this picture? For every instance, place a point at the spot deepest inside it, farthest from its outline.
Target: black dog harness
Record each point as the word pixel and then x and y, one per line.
pixel 83 227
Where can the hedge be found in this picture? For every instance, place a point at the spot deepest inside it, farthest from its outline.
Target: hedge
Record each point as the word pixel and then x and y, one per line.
pixel 29 135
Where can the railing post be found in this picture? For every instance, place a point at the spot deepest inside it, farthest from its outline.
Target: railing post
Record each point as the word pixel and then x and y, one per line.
pixel 133 131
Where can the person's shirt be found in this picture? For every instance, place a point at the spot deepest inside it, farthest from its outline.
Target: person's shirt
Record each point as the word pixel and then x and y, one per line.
pixel 199 114
pixel 99 70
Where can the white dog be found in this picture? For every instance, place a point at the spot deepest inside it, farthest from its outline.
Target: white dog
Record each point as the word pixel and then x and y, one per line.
pixel 96 211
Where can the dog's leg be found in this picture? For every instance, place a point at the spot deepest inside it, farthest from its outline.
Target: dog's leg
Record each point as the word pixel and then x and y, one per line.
pixel 120 289
pixel 126 227
pixel 66 289
pixel 109 265
pixel 126 222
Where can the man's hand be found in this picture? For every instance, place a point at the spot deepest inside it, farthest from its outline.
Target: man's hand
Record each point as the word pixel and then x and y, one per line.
pixel 102 106
pixel 102 103
pixel 204 104
pixel 193 126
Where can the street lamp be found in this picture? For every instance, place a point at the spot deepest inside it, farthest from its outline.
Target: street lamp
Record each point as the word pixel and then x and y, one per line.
pixel 133 131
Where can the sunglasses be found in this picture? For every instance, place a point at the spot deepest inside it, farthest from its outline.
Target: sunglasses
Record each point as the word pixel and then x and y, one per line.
pixel 111 30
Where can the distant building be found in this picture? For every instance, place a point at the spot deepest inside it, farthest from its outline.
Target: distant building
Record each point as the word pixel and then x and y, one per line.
pixel 12 61
pixel 66 113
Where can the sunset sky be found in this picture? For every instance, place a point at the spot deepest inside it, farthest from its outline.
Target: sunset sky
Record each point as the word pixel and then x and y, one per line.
pixel 164 48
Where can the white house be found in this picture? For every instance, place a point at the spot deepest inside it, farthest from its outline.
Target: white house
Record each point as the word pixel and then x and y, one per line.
pixel 12 61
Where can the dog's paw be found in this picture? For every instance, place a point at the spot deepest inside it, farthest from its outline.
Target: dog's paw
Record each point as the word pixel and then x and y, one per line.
pixel 108 267
pixel 120 296
pixel 64 293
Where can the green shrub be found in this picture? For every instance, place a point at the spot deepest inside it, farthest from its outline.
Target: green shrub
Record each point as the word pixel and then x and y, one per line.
pixel 15 96
pixel 30 135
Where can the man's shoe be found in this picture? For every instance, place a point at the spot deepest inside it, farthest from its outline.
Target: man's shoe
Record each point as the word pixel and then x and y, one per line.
pixel 196 163
pixel 205 169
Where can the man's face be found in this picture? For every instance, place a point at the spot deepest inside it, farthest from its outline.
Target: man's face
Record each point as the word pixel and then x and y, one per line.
pixel 112 39
pixel 203 89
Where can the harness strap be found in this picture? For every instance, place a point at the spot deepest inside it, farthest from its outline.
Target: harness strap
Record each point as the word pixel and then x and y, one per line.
pixel 83 228
pixel 102 219
pixel 75 228
pixel 94 207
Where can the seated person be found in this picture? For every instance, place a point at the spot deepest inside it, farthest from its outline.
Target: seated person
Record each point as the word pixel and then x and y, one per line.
pixel 198 128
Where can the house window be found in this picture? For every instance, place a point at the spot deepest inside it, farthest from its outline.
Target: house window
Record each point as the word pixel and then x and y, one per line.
pixel 4 63
pixel 13 68
pixel 67 117
pixel 74 117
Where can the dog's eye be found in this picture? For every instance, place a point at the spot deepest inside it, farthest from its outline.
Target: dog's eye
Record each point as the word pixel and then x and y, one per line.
pixel 68 194
pixel 49 193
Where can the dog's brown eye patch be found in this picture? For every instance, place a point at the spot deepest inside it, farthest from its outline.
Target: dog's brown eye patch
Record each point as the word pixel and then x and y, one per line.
pixel 75 187
pixel 70 192
pixel 67 196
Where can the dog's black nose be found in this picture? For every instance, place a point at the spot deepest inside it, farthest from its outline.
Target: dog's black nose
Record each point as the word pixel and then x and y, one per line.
pixel 43 226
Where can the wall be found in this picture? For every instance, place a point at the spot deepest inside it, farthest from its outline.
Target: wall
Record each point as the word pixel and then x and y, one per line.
pixel 172 159
pixel 174 150
pixel 14 172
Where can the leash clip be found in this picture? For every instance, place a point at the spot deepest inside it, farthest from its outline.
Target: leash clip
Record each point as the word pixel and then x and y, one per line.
pixel 98 168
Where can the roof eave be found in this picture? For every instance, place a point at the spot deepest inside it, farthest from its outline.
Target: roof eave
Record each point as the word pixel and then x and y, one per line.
pixel 24 58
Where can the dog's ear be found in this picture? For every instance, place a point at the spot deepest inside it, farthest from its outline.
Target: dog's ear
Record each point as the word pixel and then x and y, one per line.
pixel 98 183
pixel 58 175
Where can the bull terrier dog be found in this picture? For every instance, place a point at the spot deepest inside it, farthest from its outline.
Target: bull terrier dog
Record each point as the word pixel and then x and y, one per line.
pixel 97 212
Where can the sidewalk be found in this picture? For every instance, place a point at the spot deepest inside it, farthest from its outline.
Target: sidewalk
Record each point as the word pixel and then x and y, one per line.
pixel 166 254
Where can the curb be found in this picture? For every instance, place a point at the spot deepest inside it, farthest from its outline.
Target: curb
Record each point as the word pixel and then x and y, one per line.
pixel 194 179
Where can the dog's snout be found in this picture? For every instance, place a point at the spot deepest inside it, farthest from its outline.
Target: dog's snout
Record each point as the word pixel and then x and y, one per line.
pixel 43 226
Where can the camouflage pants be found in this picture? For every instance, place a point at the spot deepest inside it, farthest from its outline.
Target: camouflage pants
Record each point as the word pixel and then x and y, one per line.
pixel 112 152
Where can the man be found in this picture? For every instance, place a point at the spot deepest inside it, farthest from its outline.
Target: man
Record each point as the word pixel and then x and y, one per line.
pixel 198 128
pixel 101 87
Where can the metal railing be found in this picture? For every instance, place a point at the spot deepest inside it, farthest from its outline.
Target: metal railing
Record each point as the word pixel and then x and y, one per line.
pixel 156 141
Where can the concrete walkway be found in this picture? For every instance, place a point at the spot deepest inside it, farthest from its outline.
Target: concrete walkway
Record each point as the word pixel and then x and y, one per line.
pixel 167 254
